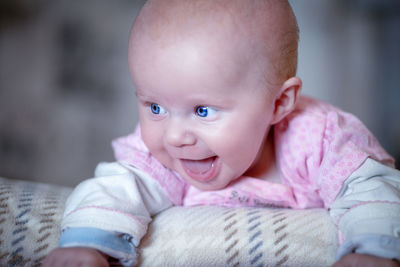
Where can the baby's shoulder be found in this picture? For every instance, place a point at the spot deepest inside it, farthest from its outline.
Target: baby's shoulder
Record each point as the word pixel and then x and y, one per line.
pixel 308 108
pixel 314 124
pixel 312 116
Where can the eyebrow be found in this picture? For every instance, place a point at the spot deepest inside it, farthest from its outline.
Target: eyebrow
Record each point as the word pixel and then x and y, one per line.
pixel 139 94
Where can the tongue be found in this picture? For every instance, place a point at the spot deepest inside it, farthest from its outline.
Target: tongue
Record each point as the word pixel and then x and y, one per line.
pixel 198 166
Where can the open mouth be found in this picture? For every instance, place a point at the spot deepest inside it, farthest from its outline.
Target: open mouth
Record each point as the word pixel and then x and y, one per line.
pixel 201 170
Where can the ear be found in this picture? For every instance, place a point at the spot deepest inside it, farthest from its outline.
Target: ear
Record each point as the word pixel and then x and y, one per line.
pixel 286 99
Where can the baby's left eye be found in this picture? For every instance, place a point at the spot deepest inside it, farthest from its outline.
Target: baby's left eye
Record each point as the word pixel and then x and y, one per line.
pixel 203 111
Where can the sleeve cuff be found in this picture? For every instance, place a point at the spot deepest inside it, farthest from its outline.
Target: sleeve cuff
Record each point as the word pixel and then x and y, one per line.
pixel 117 245
pixel 377 245
pixel 378 218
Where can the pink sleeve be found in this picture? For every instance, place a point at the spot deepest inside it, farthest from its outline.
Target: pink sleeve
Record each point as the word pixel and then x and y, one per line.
pixel 319 147
pixel 131 149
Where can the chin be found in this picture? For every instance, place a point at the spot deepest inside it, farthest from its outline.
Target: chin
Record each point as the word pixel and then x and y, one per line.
pixel 207 186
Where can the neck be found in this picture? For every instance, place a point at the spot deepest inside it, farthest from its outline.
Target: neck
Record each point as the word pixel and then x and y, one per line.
pixel 264 167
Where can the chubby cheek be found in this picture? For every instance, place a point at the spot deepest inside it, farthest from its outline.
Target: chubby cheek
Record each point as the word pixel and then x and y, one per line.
pixel 152 137
pixel 240 149
pixel 241 155
pixel 235 151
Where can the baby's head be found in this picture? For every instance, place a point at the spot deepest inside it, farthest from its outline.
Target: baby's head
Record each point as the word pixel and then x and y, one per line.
pixel 212 76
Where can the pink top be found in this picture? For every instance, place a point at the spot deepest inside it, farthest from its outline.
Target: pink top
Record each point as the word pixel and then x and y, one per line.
pixel 317 147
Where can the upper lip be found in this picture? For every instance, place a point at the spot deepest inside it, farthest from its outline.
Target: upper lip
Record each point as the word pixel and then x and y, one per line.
pixel 189 153
pixel 197 158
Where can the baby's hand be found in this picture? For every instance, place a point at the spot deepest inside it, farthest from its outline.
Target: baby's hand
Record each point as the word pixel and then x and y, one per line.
pixel 353 260
pixel 77 256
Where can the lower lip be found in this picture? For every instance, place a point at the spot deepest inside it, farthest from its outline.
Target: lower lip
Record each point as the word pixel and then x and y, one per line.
pixel 206 176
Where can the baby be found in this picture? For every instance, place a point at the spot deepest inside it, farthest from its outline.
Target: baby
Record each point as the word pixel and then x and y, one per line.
pixel 221 115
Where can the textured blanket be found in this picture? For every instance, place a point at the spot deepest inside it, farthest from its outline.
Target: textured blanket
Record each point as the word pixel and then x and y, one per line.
pixel 30 215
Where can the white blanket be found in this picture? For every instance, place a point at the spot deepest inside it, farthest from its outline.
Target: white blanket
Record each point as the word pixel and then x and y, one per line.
pixel 30 215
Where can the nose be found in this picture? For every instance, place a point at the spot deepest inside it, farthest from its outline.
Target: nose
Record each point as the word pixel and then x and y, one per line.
pixel 179 134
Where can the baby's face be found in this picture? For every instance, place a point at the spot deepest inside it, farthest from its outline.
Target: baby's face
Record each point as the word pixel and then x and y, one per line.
pixel 203 109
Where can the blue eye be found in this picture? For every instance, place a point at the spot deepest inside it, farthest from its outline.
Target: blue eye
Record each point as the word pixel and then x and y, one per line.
pixel 157 109
pixel 203 111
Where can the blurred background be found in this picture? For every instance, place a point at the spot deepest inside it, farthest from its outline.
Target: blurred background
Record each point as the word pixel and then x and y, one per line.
pixel 65 90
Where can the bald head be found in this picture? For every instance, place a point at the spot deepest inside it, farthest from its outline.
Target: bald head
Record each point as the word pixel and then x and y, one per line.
pixel 260 33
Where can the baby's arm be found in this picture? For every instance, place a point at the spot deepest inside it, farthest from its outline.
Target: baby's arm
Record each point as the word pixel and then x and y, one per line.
pixel 110 213
pixel 362 260
pixel 367 212
pixel 76 256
